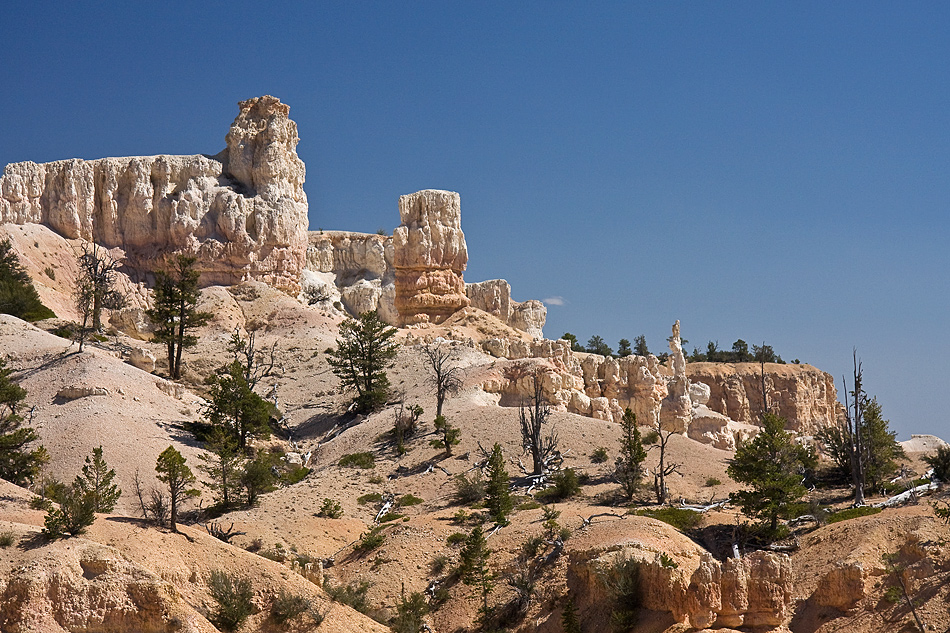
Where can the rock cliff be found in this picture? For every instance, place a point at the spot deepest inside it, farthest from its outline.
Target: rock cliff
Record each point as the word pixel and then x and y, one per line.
pixel 429 257
pixel 494 297
pixel 242 213
pixel 802 394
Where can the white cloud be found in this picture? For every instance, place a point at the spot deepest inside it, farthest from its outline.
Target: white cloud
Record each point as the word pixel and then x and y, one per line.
pixel 554 301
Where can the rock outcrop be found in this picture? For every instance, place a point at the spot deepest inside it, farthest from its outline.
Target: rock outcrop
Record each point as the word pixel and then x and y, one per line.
pixel 676 409
pixel 242 213
pixel 688 583
pixel 429 257
pixel 355 269
pixel 802 394
pixel 494 297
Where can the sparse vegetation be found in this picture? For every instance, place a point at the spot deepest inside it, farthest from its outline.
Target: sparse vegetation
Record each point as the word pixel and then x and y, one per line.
pixel 622 581
pixel 371 540
pixel 330 509
pixel 353 595
pixel 233 594
pixel 469 489
pixel 408 500
pixel 7 539
pixel 852 513
pixel 95 289
pixel 371 497
pixel 565 485
pixel 599 456
pixel 288 606
pixel 682 519
pixel 712 482
pixel 358 460
pixel 410 610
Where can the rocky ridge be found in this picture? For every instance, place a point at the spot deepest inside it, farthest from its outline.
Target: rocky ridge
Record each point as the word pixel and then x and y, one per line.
pixel 242 212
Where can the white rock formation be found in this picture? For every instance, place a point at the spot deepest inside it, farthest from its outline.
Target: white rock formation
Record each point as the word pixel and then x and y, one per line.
pixel 494 296
pixel 676 410
pixel 242 213
pixel 429 256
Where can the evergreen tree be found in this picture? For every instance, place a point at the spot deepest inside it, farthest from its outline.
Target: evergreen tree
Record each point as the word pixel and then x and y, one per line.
pixel 597 345
pixel 223 465
pixel 97 480
pixel 773 466
pixel 640 346
pixel 19 464
pixel 449 435
pixel 75 513
pixel 570 338
pixel 175 310
pixel 18 296
pixel 258 477
pixel 570 623
pixel 172 470
pixel 629 465
pixel 363 352
pixel 623 348
pixel 473 567
pixel 497 495
pixel 740 352
pixel 234 407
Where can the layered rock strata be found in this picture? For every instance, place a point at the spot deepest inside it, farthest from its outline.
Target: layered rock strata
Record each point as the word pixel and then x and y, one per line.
pixel 429 257
pixel 692 586
pixel 242 213
pixel 494 297
pixel 802 394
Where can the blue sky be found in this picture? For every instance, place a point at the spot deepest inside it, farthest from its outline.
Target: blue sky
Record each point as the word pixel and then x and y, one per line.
pixel 765 171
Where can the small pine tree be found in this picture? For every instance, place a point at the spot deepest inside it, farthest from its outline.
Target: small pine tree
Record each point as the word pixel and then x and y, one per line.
pixel 18 296
pixel 449 435
pixel 474 569
pixel 629 466
pixel 640 346
pixel 223 465
pixel 172 470
pixel 363 352
pixel 175 311
pixel 623 348
pixel 497 495
pixel 236 408
pixel 257 478
pixel 19 464
pixel 409 613
pixel 570 622
pixel 772 465
pixel 940 462
pixel 75 513
pixel 97 480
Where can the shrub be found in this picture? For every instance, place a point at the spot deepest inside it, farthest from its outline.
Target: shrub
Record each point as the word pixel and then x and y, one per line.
pixel 531 547
pixel 680 518
pixel 456 538
pixel 438 563
pixel 622 580
pixel 391 516
pixel 853 513
pixel 667 561
pixel 599 456
pixel 358 460
pixel 409 613
pixel 7 539
pixel 371 540
pixel 408 500
pixel 940 462
pixel 565 485
pixel 76 512
pixel 372 497
pixel 233 595
pixel 713 481
pixel 352 595
pixel 469 489
pixel 330 509
pixel 288 606
pixel 293 475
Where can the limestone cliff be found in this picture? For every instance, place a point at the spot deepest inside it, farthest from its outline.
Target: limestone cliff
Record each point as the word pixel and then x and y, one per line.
pixel 242 213
pixel 802 394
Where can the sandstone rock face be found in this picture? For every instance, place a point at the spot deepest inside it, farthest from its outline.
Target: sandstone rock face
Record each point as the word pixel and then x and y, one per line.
pixel 687 582
pixel 802 394
pixel 242 213
pixel 494 297
pixel 429 257
pixel 843 586
pixel 359 266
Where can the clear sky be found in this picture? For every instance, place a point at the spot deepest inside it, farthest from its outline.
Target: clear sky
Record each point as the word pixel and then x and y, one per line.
pixel 765 171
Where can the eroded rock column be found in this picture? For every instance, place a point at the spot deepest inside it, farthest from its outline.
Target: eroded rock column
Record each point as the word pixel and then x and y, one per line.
pixel 429 257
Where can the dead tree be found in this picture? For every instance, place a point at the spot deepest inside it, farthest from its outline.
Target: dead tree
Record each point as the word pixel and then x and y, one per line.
pixel 443 374
pixel 659 438
pixel 257 363
pixel 853 415
pixel 534 415
pixel 95 289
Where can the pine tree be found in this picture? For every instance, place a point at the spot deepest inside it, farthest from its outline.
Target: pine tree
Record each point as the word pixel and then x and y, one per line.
pixel 18 296
pixel 223 466
pixel 175 311
pixel 497 495
pixel 234 407
pixel 172 470
pixel 363 352
pixel 772 464
pixel 640 346
pixel 623 348
pixel 449 435
pixel 75 513
pixel 97 480
pixel 629 465
pixel 570 623
pixel 473 567
pixel 19 464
